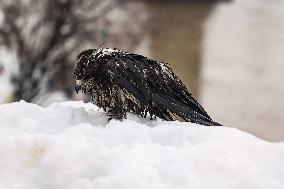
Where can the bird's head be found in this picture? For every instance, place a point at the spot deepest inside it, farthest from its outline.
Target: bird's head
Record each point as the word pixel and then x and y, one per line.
pixel 89 70
pixel 85 70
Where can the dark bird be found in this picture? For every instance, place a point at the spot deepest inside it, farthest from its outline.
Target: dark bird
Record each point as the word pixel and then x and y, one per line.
pixel 121 82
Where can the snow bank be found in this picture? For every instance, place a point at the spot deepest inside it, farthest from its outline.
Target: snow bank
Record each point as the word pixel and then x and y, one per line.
pixel 71 145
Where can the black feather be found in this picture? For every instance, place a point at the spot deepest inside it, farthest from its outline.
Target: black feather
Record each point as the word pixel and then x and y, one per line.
pixel 121 82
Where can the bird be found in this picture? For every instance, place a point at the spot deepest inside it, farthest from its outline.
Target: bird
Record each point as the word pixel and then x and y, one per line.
pixel 120 82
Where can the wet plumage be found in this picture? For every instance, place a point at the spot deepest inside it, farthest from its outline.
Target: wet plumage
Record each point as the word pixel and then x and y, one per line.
pixel 121 82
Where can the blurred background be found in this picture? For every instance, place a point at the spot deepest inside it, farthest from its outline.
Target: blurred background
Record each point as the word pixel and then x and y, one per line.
pixel 230 54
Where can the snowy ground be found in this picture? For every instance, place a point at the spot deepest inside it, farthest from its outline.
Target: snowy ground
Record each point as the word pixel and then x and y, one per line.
pixel 71 145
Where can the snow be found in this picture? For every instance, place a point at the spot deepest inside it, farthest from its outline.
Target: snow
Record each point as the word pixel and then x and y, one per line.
pixel 50 97
pixel 72 145
pixel 106 51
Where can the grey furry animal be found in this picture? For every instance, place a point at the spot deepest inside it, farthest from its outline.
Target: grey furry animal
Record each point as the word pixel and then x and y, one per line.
pixel 121 82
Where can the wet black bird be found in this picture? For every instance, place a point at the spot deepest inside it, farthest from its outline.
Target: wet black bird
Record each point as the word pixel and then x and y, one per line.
pixel 121 82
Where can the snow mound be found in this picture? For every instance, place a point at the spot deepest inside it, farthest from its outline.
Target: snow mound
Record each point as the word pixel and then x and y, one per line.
pixel 71 145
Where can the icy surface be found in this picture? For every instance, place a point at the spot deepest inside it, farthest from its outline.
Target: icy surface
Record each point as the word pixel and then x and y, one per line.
pixel 71 145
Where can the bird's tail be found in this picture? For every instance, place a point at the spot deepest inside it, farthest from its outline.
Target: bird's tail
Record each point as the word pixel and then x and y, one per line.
pixel 183 112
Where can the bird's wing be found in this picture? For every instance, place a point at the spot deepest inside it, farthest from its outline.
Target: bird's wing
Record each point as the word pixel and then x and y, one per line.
pixel 155 83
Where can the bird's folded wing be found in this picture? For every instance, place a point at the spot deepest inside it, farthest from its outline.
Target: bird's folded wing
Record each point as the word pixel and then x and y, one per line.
pixel 149 80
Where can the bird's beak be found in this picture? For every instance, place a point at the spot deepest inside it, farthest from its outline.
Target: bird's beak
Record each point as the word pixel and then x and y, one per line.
pixel 78 86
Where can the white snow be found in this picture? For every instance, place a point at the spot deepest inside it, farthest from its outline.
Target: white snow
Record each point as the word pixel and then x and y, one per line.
pixel 48 98
pixel 106 51
pixel 71 145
